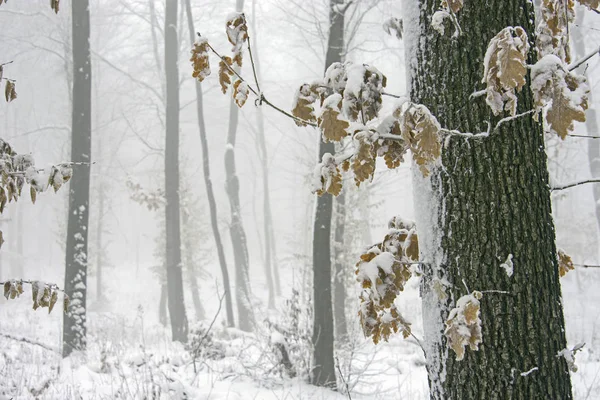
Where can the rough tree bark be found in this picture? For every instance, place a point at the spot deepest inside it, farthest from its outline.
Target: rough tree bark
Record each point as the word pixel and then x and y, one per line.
pixel 323 373
pixel 179 323
pixel 489 199
pixel 591 117
pixel 238 235
pixel 212 205
pixel 74 321
pixel 340 272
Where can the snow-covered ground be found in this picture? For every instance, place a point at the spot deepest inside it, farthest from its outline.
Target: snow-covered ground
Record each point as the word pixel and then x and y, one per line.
pixel 130 355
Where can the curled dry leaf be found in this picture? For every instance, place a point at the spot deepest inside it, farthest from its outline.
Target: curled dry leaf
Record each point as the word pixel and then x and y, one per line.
pixel 237 34
pixel 422 130
pixel 9 91
pixel 591 4
pixel 463 326
pixel 452 5
pixel 240 92
pixel 393 151
pixel 225 73
pixel 363 162
pixel 327 177
pixel 553 30
pixel 565 264
pixel 54 4
pixel 505 69
pixel 565 93
pixel 200 60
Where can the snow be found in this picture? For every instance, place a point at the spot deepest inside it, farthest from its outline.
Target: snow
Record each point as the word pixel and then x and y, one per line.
pixel 508 265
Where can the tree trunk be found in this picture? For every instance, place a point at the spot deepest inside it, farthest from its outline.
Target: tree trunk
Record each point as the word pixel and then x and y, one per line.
pixel 179 323
pixel 323 373
pixel 489 199
pixel 591 118
pixel 212 205
pixel 238 235
pixel 74 321
pixel 340 273
pixel 270 255
pixel 162 306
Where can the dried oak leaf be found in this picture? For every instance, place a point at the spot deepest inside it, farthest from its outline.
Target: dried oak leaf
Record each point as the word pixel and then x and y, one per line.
pixel 393 151
pixel 591 4
pixel 240 92
pixel 565 264
pixel 9 91
pixel 422 130
pixel 54 5
pixel 303 107
pixel 225 73
pixel 237 34
pixel 199 59
pixel 329 176
pixel 363 162
pixel 564 111
pixel 505 68
pixel 332 127
pixel 454 5
pixel 463 326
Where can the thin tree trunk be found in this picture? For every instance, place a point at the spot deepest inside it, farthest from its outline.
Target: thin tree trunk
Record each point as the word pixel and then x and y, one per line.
pixel 238 235
pixel 490 199
pixel 179 323
pixel 162 306
pixel 99 250
pixel 323 373
pixel 270 255
pixel 212 205
pixel 74 321
pixel 591 117
pixel 340 272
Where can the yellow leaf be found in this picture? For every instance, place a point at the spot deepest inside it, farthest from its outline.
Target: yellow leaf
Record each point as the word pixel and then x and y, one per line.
pixel 591 4
pixel 33 194
pixel 412 247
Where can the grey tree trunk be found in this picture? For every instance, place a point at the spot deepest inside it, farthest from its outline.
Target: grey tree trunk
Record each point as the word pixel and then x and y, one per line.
pixel 489 199
pixel 271 269
pixel 74 321
pixel 99 249
pixel 591 117
pixel 323 373
pixel 162 306
pixel 179 323
pixel 212 205
pixel 340 272
pixel 238 235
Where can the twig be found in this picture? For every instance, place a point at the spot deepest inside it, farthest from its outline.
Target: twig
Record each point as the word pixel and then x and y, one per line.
pixel 209 327
pixel 6 63
pixel 29 341
pixel 253 67
pixel 337 364
pixel 573 184
pixel 586 266
pixel 584 136
pixel 261 97
pixel 396 96
pixel 576 64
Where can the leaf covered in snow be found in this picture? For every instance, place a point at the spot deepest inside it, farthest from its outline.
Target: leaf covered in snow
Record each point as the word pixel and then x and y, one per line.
pixel 199 59
pixel 463 325
pixel 565 264
pixel 237 34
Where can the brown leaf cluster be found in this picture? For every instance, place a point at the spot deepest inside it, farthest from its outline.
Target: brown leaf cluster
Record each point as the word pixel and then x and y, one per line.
pixel 237 34
pixel 363 162
pixel 362 95
pixel 463 326
pixel 565 264
pixel 553 31
pixel 43 294
pixel 9 91
pixel 54 4
pixel 505 68
pixel 422 131
pixel 591 4
pixel 378 316
pixel 565 93
pixel 199 59
pixel 329 176
pixel 392 151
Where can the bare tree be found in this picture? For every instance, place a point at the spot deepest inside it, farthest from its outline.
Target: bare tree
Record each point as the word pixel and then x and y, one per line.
pixel 74 322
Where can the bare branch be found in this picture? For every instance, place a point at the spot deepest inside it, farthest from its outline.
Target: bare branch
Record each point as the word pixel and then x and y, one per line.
pixel 573 184
pixel 576 64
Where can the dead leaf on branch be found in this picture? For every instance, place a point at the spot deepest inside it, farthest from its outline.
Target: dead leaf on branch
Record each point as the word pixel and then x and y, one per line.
pixel 200 60
pixel 565 93
pixel 422 130
pixel 303 107
pixel 240 92
pixel 54 5
pixel 505 68
pixel 225 73
pixel 333 128
pixel 9 91
pixel 363 162
pixel 591 4
pixel 565 264
pixel 237 34
pixel 463 326
pixel 328 178
pixel 393 151
pixel 553 30
pixel 454 5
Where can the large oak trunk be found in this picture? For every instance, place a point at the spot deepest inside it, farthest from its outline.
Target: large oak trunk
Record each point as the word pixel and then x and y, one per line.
pixel 490 199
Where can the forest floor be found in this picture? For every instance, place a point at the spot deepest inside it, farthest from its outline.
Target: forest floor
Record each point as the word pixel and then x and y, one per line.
pixel 130 355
